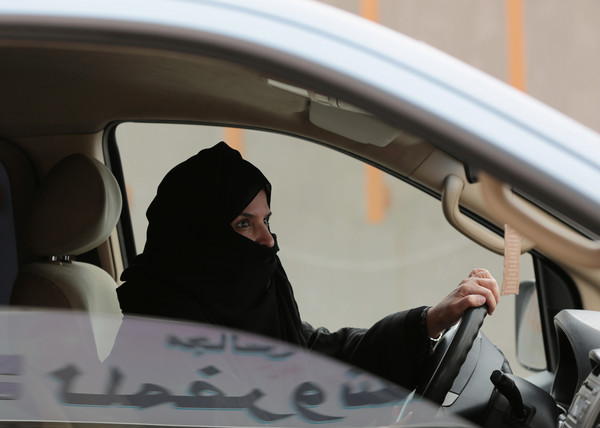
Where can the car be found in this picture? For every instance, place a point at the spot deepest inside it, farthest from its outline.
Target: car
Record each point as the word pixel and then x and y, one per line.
pixel 101 99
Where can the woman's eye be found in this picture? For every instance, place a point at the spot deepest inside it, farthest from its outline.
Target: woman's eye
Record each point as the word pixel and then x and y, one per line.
pixel 266 221
pixel 243 224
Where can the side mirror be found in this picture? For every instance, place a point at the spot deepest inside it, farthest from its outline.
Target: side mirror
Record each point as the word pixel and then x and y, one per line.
pixel 530 342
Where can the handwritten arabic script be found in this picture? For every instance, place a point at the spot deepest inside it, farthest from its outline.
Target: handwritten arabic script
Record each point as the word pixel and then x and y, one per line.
pixel 227 343
pixel 202 395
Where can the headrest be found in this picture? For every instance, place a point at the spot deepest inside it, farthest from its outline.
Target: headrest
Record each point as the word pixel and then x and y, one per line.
pixel 76 208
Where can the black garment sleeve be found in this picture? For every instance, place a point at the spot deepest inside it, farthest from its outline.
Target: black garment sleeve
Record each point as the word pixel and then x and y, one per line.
pixel 395 348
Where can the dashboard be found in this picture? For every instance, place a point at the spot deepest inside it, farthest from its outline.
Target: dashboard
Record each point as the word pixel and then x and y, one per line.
pixel 577 382
pixel 488 393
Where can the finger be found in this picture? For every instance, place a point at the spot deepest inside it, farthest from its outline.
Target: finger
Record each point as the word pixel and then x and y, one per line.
pixel 472 289
pixel 470 301
pixel 476 300
pixel 481 273
pixel 488 282
pixel 459 306
pixel 492 285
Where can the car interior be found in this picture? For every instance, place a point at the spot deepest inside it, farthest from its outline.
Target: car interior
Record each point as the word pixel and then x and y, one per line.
pixel 67 229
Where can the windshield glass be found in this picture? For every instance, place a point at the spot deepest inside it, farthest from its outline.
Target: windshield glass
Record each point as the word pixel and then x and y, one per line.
pixel 133 370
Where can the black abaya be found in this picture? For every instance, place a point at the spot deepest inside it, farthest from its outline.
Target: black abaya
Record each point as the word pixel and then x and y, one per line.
pixel 196 267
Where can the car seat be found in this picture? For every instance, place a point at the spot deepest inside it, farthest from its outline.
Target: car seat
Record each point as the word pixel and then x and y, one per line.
pixel 18 183
pixel 75 210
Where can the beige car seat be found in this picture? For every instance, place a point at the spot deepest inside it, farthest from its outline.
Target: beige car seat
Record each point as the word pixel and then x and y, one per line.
pixel 75 210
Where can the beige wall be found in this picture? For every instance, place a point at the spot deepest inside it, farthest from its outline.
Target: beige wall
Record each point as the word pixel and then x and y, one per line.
pixel 561 42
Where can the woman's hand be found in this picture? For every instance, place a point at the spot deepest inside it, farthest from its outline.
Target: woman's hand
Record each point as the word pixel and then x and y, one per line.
pixel 479 288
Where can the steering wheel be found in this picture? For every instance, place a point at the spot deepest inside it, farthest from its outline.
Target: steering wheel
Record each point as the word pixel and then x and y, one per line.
pixel 447 359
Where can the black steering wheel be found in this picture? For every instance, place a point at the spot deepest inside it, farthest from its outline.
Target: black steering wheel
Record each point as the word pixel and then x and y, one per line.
pixel 448 358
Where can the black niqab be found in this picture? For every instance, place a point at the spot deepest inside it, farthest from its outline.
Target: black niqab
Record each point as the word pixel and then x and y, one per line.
pixel 196 267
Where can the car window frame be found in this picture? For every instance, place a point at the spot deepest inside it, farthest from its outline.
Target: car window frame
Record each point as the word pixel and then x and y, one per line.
pixel 125 228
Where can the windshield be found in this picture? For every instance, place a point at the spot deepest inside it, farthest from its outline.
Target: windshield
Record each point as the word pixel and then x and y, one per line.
pixel 141 371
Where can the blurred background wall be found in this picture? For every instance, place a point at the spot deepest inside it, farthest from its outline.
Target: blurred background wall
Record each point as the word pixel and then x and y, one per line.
pixel 547 48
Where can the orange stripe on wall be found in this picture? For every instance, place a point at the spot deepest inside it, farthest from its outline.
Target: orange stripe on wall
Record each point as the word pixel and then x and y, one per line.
pixel 375 188
pixel 377 195
pixel 370 9
pixel 515 43
pixel 235 138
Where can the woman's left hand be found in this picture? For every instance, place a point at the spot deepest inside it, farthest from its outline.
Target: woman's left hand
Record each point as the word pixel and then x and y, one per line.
pixel 480 287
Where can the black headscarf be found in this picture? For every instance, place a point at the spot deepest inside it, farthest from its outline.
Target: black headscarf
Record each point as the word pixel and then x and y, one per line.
pixel 196 267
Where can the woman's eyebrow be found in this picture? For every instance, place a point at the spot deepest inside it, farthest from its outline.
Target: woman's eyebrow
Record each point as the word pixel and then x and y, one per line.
pixel 252 215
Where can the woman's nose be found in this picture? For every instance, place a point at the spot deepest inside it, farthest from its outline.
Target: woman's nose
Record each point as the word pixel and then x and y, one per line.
pixel 265 237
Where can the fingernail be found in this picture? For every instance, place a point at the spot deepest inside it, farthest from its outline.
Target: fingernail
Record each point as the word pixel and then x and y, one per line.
pixel 480 300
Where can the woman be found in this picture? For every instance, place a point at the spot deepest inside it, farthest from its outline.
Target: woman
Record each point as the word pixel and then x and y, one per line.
pixel 210 257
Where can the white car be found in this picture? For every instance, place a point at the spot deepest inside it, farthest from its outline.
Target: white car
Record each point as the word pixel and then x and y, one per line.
pixel 116 92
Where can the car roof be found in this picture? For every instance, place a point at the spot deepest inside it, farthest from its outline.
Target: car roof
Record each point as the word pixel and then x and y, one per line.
pixel 88 64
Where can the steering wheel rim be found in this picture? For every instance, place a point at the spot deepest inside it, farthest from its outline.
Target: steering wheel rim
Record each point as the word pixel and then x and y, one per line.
pixel 454 355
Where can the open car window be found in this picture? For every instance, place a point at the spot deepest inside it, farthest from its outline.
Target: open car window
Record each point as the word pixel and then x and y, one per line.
pixel 356 243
